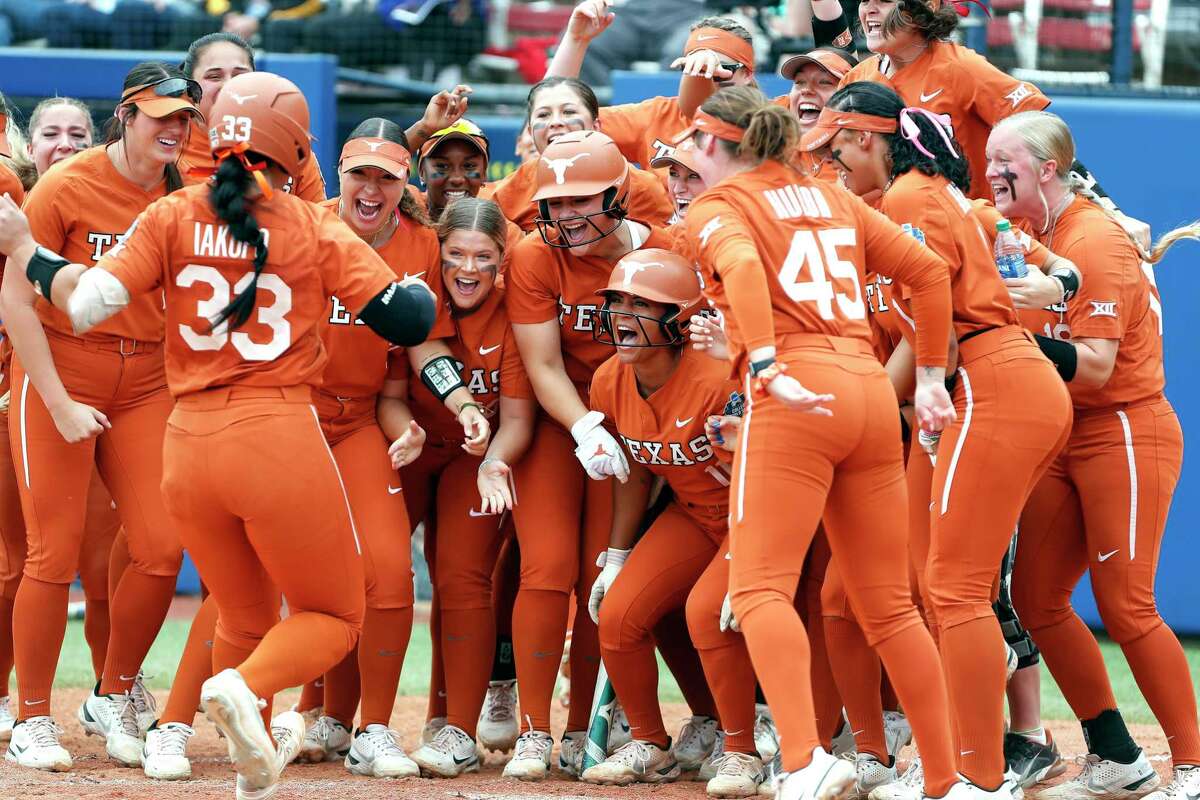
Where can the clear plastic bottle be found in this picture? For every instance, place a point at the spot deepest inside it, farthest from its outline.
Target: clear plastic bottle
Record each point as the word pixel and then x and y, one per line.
pixel 1010 255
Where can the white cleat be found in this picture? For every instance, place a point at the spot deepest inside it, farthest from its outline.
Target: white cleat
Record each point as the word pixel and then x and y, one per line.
pixel 531 756
pixel 695 742
pixel 143 703
pixel 897 733
pixel 640 762
pixel 825 778
pixel 774 768
pixel 870 774
pixel 708 770
pixel 498 727
pixel 97 712
pixel 231 705
pixel 287 729
pixel 325 740
pixel 1106 780
pixel 738 775
pixel 1184 785
pixel 451 753
pixel 965 790
pixel 376 753
pixel 766 738
pixel 909 786
pixel 34 744
pixel 570 753
pixel 430 731
pixel 7 720
pixel 124 740
pixel 164 755
pixel 619 733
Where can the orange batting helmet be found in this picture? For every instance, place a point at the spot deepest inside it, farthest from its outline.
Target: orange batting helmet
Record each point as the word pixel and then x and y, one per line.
pixel 261 113
pixel 661 277
pixel 580 164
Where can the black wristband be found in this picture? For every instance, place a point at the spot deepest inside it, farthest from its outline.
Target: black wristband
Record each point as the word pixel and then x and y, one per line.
pixel 905 430
pixel 41 269
pixel 441 376
pixel 1062 354
pixel 1069 281
pixel 835 32
pixel 758 366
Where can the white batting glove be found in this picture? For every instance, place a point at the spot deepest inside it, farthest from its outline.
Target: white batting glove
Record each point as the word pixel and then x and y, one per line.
pixel 610 564
pixel 597 450
pixel 729 623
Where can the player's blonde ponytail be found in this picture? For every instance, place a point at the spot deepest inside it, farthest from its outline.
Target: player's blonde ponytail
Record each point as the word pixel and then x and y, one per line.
pixel 772 132
pixel 1168 240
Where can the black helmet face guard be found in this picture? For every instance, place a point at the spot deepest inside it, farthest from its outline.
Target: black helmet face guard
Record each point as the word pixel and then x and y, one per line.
pixel 673 331
pixel 547 226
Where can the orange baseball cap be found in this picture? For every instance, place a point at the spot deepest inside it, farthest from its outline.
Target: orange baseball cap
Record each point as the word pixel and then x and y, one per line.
pixel 368 151
pixel 684 155
pixel 835 63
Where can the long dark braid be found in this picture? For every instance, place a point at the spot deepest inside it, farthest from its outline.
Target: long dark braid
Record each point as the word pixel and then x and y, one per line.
pixel 228 197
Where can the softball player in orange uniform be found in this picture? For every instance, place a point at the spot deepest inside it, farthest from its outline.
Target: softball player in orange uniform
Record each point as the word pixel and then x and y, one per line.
pixel 97 400
pixel 442 483
pixel 583 215
pixel 1000 448
pixel 1103 505
pixel 241 370
pixel 558 106
pixel 801 451
pixel 660 395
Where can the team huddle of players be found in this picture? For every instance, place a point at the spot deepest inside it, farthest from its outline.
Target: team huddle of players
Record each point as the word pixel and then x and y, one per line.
pixel 706 408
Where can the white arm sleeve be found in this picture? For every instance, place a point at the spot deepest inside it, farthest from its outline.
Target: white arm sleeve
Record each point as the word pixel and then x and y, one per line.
pixel 97 296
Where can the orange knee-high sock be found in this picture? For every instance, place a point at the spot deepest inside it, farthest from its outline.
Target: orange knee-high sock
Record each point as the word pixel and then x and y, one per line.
pixel 312 695
pixel 468 642
pixel 675 644
pixel 731 676
pixel 974 656
pixel 887 693
pixel 381 650
pixel 96 631
pixel 910 658
pixel 1161 671
pixel 827 700
pixel 1070 652
pixel 634 675
pixel 342 690
pixel 6 643
pixel 437 665
pixel 39 625
pixel 585 664
pixel 137 612
pixel 539 626
pixel 195 667
pixel 857 671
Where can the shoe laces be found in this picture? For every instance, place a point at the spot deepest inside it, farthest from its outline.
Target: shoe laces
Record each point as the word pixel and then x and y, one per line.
pixel 633 754
pixel 450 739
pixel 501 697
pixel 914 776
pixel 383 740
pixel 172 739
pixel 692 733
pixel 282 735
pixel 43 731
pixel 321 731
pixel 1180 777
pixel 734 763
pixel 143 701
pixel 126 720
pixel 532 744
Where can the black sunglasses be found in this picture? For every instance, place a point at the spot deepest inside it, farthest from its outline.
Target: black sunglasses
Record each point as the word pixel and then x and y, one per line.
pixel 732 67
pixel 170 87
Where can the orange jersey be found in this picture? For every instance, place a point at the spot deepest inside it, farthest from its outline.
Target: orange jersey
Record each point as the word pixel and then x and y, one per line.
pixel 1117 300
pixel 359 357
pixel 81 209
pixel 178 244
pixel 784 254
pixel 944 218
pixel 198 153
pixel 665 431
pixel 951 79
pixel 547 283
pixel 489 363
pixel 648 198
pixel 890 321
pixel 643 131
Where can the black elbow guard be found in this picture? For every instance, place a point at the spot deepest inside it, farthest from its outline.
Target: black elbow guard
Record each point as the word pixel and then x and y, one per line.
pixel 1069 281
pixel 401 314
pixel 41 269
pixel 1062 354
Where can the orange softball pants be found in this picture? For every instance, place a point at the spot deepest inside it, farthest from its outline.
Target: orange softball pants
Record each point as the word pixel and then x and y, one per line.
pixel 440 486
pixel 260 506
pixel 1014 415
pixel 1102 508
pixel 563 520
pixel 791 471
pixel 53 478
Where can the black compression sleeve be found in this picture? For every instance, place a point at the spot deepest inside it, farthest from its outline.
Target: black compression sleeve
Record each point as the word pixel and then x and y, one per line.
pixel 834 32
pixel 1062 354
pixel 401 314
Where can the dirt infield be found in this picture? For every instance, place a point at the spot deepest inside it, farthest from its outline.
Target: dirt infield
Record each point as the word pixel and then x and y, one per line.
pixel 95 776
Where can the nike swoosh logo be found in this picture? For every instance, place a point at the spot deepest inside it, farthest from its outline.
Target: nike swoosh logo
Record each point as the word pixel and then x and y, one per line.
pixel 34 702
pixel 460 761
pixel 965 752
pixel 483 351
pixel 475 513
pixel 407 276
pixel 1107 556
pixel 396 490
pixel 390 653
pixel 127 677
pixel 705 38
pixel 925 98
pixel 682 423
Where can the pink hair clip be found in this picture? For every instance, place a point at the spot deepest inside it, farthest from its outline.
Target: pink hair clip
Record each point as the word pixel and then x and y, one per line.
pixel 912 132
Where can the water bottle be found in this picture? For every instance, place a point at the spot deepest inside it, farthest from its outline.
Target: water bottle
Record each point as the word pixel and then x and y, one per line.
pixel 1010 255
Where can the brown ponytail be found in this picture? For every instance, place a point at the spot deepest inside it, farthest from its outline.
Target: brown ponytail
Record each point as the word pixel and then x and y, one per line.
pixel 771 131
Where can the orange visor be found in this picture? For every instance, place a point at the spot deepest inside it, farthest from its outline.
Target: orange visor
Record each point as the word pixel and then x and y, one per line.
pixel 371 152
pixel 830 122
pixel 726 43
pixel 703 121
